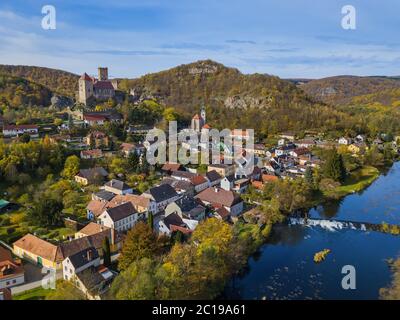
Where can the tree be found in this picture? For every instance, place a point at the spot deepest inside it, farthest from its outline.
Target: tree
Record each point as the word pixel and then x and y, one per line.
pixel 25 138
pixel 46 212
pixel 392 292
pixel 65 290
pixel 134 161
pixel 334 167
pixel 309 176
pixel 150 220
pixel 137 282
pixel 71 167
pixel 106 252
pixel 140 242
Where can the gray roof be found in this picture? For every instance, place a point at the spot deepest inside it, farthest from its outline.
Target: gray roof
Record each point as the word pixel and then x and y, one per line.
pixel 173 219
pixel 105 195
pixel 213 176
pixel 162 192
pixel 91 173
pixel 83 257
pixel 117 184
pixel 190 207
pixel 122 211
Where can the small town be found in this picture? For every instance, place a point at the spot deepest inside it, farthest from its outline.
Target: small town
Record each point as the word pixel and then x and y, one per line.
pixel 199 151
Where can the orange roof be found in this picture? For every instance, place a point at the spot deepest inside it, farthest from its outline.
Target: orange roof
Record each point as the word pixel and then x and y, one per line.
pixel 92 228
pixel 196 180
pixel 179 228
pixel 269 178
pixel 137 201
pixel 37 246
pixel 257 184
pixel 171 166
pixel 206 126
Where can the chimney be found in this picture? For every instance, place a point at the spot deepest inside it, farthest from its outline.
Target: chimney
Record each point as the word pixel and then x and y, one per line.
pixel 89 255
pixel 216 189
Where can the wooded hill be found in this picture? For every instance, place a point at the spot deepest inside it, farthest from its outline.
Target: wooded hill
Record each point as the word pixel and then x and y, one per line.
pixel 341 90
pixel 58 81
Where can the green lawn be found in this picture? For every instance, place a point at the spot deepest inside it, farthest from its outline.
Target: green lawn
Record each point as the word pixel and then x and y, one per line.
pixel 357 181
pixel 34 294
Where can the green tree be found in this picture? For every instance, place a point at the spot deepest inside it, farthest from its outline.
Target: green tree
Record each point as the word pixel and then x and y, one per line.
pixel 46 212
pixel 140 242
pixel 150 220
pixel 106 252
pixel 334 167
pixel 71 167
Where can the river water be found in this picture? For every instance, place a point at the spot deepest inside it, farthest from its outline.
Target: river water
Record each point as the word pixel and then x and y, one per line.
pixel 284 267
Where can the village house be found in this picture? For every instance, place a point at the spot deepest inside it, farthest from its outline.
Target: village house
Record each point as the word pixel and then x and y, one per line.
pixel 97 139
pixel 227 183
pixel 218 197
pixel 121 218
pixel 46 254
pixel 288 135
pixel 222 169
pixel 214 178
pixel 140 203
pixel 99 118
pixel 284 150
pixel 10 131
pixel 306 143
pixel 91 154
pixel 188 209
pixel 345 141
pixel 169 167
pixel 173 223
pixel 11 271
pixel 89 176
pixel 80 261
pixel 118 187
pixel 182 187
pixel 241 185
pixel 299 152
pixel 129 148
pixel 183 175
pixel 162 195
pixel 199 182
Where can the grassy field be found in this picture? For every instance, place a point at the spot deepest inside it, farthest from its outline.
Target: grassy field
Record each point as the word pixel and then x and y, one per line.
pixel 357 181
pixel 34 294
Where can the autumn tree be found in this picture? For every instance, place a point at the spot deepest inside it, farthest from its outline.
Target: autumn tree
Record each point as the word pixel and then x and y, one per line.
pixel 71 167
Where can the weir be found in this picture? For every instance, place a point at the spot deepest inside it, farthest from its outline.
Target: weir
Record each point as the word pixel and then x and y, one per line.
pixel 333 225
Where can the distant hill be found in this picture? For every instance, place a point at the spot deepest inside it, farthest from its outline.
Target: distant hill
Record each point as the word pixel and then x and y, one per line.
pixel 16 91
pixel 58 81
pixel 341 90
pixel 259 101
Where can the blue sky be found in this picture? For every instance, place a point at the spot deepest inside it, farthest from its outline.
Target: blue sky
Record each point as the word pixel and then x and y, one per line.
pixel 287 38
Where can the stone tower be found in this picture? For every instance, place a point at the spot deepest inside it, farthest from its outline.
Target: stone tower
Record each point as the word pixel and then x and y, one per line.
pixel 85 88
pixel 103 74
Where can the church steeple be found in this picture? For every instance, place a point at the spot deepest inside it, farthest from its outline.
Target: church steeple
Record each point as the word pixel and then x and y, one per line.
pixel 203 114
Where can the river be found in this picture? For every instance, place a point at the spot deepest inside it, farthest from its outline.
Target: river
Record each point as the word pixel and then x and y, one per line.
pixel 283 268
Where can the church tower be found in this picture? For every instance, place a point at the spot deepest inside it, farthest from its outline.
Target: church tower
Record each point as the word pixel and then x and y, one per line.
pixel 203 115
pixel 85 88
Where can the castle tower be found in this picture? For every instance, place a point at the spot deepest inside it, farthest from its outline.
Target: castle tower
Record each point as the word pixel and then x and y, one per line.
pixel 103 73
pixel 85 88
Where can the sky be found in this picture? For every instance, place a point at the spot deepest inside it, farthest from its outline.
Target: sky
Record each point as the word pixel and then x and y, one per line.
pixel 287 38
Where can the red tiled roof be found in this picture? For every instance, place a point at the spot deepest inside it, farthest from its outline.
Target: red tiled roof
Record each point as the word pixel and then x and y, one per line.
pixel 103 85
pixel 219 196
pixel 197 180
pixel 257 184
pixel 86 77
pixel 171 167
pixel 206 126
pixel 94 117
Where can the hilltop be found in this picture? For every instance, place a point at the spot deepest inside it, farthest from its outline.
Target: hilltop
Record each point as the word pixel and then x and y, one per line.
pixel 342 90
pixel 58 81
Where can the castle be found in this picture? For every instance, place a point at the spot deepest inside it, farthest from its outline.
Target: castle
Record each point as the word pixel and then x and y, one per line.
pixel 100 88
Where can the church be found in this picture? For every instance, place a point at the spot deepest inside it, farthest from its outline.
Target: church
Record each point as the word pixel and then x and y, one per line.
pixel 199 121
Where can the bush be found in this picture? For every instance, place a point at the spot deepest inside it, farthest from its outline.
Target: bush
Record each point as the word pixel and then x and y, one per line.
pixel 10 230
